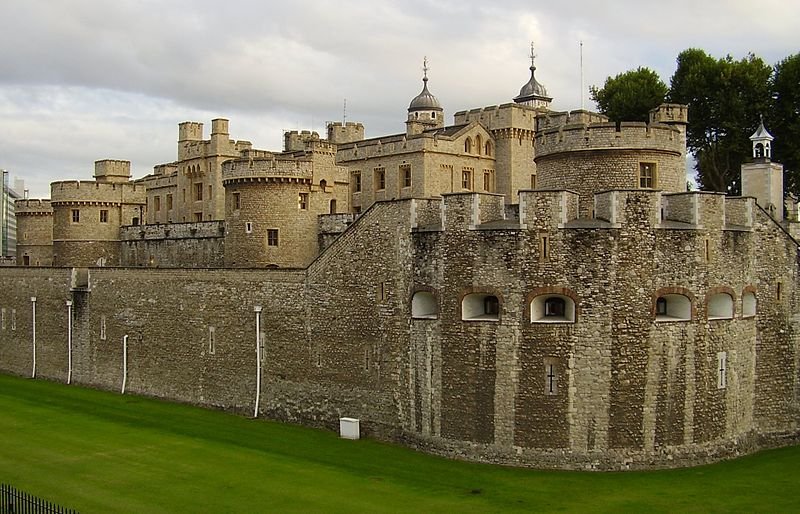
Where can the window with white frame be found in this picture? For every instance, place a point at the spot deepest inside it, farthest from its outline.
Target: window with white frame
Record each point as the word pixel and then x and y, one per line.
pixel 722 370
pixel 673 307
pixel 480 307
pixel 720 306
pixel 748 304
pixel 552 308
pixel 423 305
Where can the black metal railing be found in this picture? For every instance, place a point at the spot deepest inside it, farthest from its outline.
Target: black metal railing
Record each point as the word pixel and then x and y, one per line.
pixel 14 501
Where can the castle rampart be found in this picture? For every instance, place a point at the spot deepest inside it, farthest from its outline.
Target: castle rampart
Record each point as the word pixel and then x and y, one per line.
pixel 34 232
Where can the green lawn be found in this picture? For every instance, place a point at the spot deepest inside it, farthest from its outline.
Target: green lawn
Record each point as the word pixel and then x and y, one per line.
pixel 101 452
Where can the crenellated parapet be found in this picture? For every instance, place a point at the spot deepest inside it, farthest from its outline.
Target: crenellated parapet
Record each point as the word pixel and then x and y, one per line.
pixel 267 169
pixel 33 207
pixel 580 137
pixel 90 192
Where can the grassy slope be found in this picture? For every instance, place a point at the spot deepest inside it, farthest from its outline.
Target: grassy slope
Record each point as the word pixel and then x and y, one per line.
pixel 101 452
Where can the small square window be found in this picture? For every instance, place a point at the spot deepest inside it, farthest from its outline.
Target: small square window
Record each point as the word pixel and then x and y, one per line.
pixel 647 175
pixel 272 237
pixel 302 201
pixel 248 227
pixel 76 215
pixel 103 215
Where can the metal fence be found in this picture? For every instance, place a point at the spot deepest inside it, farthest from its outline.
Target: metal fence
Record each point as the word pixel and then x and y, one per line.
pixel 14 501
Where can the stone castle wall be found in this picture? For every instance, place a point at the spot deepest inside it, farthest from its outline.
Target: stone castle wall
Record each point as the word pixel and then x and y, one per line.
pixel 172 245
pixel 34 232
pixel 341 338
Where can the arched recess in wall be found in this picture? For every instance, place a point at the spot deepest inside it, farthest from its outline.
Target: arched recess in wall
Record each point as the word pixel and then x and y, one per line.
pixel 552 305
pixel 488 149
pixel 424 304
pixel 749 302
pixel 478 144
pixel 480 306
pixel 673 304
pixel 468 145
pixel 719 303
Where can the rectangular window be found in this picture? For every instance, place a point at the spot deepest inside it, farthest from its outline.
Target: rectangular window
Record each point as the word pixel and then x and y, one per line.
pixel 210 196
pixel 237 201
pixel 248 227
pixel 488 185
pixel 647 175
pixel 103 215
pixel 198 217
pixel 183 191
pixel 13 319
pixel 544 248
pixel 356 181
pixel 722 370
pixel 707 250
pixel 157 203
pixel 198 192
pixel 169 202
pixel 76 215
pixel 380 179
pixel 212 340
pixel 778 291
pixel 533 181
pixel 466 178
pixel 383 292
pixel 102 328
pixel 405 175
pixel 302 201
pixel 26 260
pixel 3 318
pixel 272 237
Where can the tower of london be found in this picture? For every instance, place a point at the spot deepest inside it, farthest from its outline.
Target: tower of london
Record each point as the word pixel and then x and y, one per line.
pixel 522 286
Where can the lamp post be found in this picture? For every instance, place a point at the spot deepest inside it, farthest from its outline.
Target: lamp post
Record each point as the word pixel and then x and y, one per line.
pixel 69 342
pixel 257 310
pixel 33 334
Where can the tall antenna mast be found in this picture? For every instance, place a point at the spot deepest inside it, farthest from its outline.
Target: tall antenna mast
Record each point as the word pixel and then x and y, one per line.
pixel 582 105
pixel 344 113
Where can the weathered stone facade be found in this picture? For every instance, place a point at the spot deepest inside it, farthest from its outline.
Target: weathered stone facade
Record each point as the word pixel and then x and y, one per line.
pixel 34 232
pixel 565 304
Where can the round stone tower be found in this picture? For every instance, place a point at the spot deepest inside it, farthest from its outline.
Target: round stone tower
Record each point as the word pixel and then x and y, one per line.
pixel 34 232
pixel 592 157
pixel 270 212
pixel 87 215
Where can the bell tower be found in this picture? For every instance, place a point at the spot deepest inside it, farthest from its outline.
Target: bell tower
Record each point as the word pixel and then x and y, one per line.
pixel 762 178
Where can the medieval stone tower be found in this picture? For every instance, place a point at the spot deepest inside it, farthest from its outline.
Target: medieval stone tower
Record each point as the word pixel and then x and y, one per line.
pixel 87 215
pixel 34 232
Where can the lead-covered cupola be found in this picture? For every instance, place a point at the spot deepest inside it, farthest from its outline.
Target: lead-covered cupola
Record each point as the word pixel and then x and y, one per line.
pixel 424 111
pixel 533 94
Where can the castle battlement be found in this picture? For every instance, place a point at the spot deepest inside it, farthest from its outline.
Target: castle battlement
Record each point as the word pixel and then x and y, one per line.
pixel 33 207
pixel 597 136
pixel 559 119
pixel 266 169
pixel 497 117
pixel 93 192
pixel 110 170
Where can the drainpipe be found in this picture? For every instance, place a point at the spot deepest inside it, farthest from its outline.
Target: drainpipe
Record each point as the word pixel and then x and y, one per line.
pixel 69 342
pixel 33 306
pixel 124 362
pixel 257 310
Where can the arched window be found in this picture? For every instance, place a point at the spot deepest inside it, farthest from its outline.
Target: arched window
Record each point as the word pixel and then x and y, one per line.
pixel 758 151
pixel 552 308
pixel 748 304
pixel 480 307
pixel 323 184
pixel 488 148
pixel 468 145
pixel 720 306
pixel 478 144
pixel 673 307
pixel 423 305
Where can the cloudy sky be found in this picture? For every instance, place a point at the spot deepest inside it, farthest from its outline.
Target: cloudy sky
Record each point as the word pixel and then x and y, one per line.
pixel 82 80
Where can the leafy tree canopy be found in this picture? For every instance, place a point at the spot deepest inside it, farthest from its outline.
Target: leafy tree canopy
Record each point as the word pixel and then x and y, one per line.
pixel 784 120
pixel 631 95
pixel 725 98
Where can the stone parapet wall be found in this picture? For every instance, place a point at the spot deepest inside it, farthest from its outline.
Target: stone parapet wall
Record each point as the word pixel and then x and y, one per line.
pixel 91 192
pixel 255 169
pixel 626 135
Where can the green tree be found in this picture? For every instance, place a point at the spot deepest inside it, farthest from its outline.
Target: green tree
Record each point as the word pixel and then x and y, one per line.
pixel 725 99
pixel 629 96
pixel 784 120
